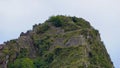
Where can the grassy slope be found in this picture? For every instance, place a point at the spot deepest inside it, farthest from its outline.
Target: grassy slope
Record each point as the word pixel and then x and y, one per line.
pixel 37 48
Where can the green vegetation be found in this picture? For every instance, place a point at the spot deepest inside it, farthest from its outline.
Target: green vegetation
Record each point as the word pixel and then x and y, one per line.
pixel 68 23
pixel 43 44
pixel 40 63
pixel 41 29
pixel 56 21
pixel 23 53
pixel 81 22
pixel 60 42
pixel 22 63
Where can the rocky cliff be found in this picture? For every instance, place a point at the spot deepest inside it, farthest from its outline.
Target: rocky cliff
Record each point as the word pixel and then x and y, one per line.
pixel 59 42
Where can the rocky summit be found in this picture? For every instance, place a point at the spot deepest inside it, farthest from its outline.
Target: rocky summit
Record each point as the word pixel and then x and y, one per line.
pixel 59 42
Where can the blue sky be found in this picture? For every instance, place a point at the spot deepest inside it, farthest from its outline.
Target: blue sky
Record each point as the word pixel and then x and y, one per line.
pixel 18 16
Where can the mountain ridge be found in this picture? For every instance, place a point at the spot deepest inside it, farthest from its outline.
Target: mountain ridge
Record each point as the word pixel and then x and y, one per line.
pixel 61 41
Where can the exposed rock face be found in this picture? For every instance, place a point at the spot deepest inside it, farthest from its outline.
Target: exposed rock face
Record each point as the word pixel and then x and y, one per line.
pixel 1 47
pixel 75 41
pixel 60 42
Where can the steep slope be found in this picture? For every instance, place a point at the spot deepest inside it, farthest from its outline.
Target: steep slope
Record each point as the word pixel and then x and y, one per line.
pixel 59 42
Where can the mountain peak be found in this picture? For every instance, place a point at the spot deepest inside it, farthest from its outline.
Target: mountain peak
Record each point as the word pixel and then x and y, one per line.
pixel 63 21
pixel 61 41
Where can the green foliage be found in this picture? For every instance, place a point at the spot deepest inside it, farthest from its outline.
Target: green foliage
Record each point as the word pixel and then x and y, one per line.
pixel 75 19
pixel 42 28
pixel 49 58
pixel 43 44
pixel 44 62
pixel 70 26
pixel 68 23
pixel 49 54
pixel 13 41
pixel 56 21
pixel 40 63
pixel 57 51
pixel 22 63
pixel 6 51
pixel 81 22
pixel 23 53
pixel 95 32
pixel 70 55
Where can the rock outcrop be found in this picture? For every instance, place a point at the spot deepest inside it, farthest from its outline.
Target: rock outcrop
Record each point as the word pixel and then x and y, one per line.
pixel 60 42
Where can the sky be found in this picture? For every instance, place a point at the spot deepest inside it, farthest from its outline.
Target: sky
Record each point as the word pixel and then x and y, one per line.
pixel 18 16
